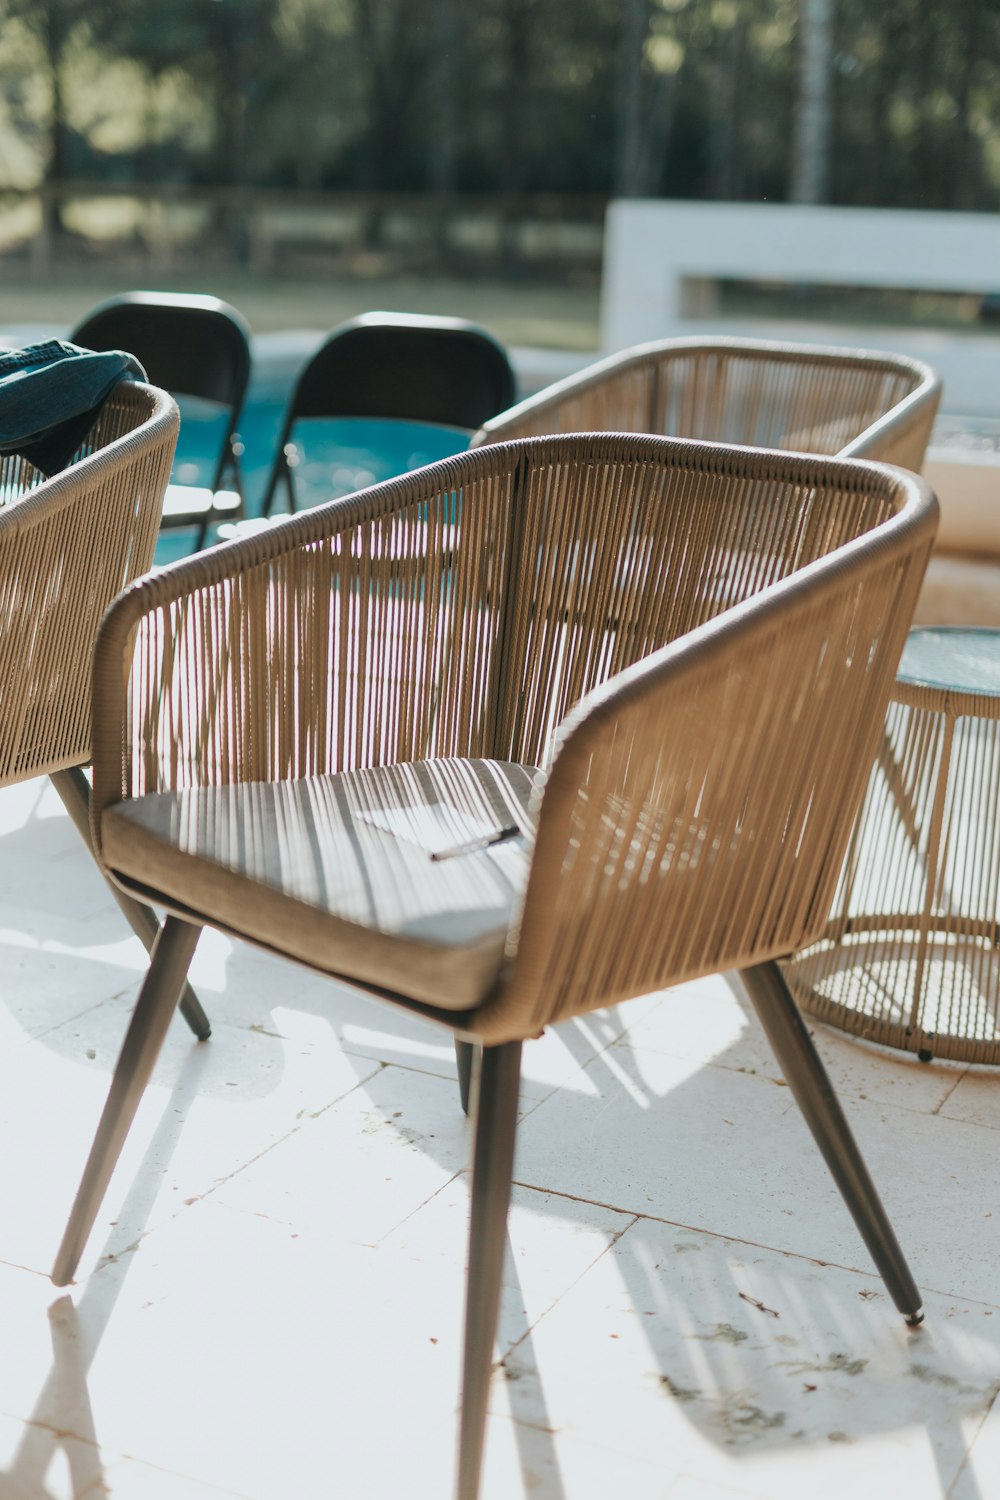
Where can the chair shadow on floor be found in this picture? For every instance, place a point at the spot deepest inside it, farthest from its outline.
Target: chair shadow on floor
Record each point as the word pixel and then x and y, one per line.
pixel 62 1419
pixel 748 1376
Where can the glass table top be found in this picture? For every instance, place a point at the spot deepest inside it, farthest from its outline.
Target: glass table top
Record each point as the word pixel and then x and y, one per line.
pixel 952 658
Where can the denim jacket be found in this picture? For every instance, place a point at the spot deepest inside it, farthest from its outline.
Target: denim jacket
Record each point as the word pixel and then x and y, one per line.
pixel 51 394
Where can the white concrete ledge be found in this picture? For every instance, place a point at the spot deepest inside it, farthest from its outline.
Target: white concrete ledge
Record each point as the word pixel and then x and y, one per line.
pixel 663 259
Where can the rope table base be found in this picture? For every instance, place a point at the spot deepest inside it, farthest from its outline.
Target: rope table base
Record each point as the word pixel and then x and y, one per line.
pixel 911 953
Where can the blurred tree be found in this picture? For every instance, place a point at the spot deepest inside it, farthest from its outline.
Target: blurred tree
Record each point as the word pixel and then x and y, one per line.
pixel 444 73
pixel 812 135
pixel 57 27
pixel 817 100
pixel 652 50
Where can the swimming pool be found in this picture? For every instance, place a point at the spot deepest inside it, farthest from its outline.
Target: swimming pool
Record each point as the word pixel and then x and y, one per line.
pixel 336 455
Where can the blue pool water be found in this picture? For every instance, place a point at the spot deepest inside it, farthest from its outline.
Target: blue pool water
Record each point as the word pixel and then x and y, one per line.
pixel 336 456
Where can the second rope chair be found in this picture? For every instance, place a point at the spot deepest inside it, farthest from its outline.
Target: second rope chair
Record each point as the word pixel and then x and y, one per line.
pixel 799 397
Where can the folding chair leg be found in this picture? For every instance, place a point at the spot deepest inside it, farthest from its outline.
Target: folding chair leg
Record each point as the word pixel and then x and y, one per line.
pixel 465 1053
pixel 74 790
pixel 172 953
pixel 807 1078
pixel 492 1169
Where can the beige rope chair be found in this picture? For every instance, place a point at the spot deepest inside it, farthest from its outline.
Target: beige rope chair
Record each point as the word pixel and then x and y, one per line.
pixel 605 734
pixel 793 396
pixel 68 545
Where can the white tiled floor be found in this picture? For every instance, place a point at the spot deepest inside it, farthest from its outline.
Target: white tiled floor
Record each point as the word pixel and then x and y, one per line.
pixel 271 1305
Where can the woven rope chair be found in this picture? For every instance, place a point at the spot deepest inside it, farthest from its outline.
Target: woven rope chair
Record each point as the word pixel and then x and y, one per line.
pixel 605 735
pixel 68 545
pixel 793 396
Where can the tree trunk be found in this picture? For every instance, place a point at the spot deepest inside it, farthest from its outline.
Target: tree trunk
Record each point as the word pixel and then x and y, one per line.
pixel 443 75
pixel 727 124
pixel 813 116
pixel 54 34
pixel 963 153
pixel 628 172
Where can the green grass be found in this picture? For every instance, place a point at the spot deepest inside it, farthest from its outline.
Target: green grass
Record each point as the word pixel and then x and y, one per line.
pixel 562 316
pixel 856 306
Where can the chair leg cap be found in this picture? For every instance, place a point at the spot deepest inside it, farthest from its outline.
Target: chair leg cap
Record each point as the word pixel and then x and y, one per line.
pixel 914 1320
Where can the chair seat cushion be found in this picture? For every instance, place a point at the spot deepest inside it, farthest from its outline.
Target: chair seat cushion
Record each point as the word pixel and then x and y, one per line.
pixel 361 874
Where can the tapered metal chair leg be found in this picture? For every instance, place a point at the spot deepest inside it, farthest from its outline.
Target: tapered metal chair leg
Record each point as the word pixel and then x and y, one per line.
pixel 492 1169
pixel 465 1053
pixel 74 789
pixel 157 1001
pixel 807 1078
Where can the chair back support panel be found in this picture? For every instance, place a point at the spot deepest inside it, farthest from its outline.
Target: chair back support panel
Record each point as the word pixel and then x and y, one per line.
pixel 415 369
pixel 397 366
pixel 190 346
pixel 796 397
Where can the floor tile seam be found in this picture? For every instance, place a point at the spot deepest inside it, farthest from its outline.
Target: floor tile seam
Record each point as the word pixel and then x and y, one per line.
pixel 442 1187
pixel 974 1124
pixel 60 1433
pixel 971 1443
pixel 14 1265
pixel 578 1437
pixel 309 1117
pixel 637 1215
pixel 224 1492
pixel 38 1036
pixel 604 1250
pixel 525 1107
pixel 938 1107
pixel 527 1103
pixel 111 1457
pixel 846 1095
pixel 466 1172
pixel 410 1067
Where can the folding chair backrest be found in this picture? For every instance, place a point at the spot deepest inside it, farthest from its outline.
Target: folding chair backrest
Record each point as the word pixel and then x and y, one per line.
pixel 188 345
pixel 443 371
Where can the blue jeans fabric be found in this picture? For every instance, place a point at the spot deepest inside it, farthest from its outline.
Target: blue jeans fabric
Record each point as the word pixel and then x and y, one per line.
pixel 50 396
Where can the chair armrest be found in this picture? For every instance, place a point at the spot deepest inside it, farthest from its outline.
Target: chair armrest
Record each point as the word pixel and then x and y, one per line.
pixel 794 397
pixel 335 639
pixel 68 545
pixel 698 805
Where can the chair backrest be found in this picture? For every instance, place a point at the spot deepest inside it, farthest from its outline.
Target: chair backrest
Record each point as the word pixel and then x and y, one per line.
pixel 792 396
pixel 699 642
pixel 188 345
pixel 419 369
pixel 68 545
pixel 406 367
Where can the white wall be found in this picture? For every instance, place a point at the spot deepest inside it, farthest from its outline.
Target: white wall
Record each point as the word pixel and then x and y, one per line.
pixel 662 258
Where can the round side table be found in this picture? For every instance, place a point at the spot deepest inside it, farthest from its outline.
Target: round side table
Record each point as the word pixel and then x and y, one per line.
pixel 911 954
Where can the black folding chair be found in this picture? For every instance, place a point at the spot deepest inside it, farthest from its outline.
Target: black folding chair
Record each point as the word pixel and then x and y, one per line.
pixel 444 371
pixel 195 347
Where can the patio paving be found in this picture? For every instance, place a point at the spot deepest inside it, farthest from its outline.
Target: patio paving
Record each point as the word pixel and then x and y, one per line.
pixel 270 1307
